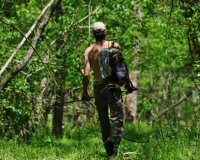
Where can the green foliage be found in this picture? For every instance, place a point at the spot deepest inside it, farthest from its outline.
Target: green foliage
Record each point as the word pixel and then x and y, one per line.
pixel 170 141
pixel 168 69
pixel 143 141
pixel 197 71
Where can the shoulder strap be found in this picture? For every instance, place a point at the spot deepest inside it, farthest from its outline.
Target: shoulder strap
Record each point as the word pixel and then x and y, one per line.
pixel 111 44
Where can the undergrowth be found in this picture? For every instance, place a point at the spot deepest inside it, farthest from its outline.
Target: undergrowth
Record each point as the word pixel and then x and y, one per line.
pixel 141 141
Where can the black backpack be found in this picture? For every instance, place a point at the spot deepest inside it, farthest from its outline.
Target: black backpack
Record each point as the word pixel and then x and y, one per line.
pixel 119 68
pixel 114 69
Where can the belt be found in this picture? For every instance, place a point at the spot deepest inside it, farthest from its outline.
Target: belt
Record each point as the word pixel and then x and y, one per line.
pixel 99 82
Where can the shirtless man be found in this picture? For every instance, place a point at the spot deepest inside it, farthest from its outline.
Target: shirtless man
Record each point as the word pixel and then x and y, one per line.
pixel 111 128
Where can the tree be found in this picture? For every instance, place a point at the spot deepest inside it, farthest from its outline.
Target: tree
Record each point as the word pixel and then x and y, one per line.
pixel 31 50
pixel 4 81
pixel 131 99
pixel 35 83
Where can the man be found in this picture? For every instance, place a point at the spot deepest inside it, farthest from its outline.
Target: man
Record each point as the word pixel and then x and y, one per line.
pixel 112 128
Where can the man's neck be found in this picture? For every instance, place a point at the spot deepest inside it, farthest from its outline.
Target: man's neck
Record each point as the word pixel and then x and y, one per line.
pixel 100 41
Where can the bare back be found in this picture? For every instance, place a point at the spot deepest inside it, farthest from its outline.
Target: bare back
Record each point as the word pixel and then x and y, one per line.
pixel 91 57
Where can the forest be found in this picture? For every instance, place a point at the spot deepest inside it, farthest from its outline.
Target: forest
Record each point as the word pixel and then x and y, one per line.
pixel 42 61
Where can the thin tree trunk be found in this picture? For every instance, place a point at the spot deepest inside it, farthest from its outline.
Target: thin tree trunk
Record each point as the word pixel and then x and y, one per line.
pixel 131 99
pixel 193 27
pixel 60 98
pixel 58 114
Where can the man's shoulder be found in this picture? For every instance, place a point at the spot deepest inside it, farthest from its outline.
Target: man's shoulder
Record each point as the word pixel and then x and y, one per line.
pixel 88 49
pixel 116 45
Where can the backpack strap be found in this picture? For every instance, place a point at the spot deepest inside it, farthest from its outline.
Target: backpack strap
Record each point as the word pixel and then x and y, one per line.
pixel 111 44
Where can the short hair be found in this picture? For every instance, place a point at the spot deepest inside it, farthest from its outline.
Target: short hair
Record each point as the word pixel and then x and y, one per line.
pixel 99 34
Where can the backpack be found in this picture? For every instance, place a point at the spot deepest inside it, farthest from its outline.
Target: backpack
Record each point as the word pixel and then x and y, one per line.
pixel 118 65
pixel 112 66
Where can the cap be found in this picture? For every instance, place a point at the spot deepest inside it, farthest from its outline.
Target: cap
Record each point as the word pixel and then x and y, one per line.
pixel 99 25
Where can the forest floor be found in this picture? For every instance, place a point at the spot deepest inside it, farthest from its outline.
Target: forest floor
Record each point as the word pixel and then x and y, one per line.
pixel 140 142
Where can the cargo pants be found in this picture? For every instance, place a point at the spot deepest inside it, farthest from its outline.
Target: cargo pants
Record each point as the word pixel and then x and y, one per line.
pixel 110 110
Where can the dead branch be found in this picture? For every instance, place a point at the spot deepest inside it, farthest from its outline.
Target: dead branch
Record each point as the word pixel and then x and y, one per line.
pixel 89 11
pixel 75 23
pixel 174 105
pixel 87 15
pixel 25 36
pixel 31 50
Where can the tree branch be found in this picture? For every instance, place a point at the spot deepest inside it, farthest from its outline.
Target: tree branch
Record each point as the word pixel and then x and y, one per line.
pixel 87 15
pixel 174 105
pixel 31 50
pixel 89 11
pixel 25 36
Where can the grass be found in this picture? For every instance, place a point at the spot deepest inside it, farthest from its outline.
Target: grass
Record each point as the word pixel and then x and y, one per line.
pixel 141 142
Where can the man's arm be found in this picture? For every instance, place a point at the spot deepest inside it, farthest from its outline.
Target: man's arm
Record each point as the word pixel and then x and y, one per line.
pixel 85 96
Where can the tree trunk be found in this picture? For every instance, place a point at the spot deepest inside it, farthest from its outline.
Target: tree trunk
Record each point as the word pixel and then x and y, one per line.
pixel 60 91
pixel 8 8
pixel 187 7
pixel 58 114
pixel 60 99
pixel 131 99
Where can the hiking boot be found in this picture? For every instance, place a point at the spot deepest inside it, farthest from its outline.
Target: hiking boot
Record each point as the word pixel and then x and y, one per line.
pixel 111 148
